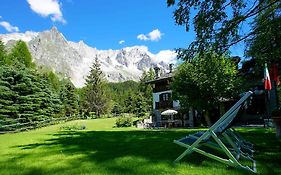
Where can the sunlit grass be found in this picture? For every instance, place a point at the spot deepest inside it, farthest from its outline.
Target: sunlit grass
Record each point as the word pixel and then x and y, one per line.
pixel 104 149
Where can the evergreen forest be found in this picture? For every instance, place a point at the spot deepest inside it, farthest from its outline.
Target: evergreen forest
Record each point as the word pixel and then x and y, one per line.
pixel 33 96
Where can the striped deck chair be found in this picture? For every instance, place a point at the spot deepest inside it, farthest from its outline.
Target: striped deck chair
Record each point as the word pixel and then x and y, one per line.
pixel 221 137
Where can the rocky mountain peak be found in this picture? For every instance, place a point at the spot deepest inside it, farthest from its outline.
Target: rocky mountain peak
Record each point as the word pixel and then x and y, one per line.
pixel 53 36
pixel 54 29
pixel 74 59
pixel 81 42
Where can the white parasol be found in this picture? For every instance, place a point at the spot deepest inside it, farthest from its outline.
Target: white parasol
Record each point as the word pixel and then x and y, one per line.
pixel 169 112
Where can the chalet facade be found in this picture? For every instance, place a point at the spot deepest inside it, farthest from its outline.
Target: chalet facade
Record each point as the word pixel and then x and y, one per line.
pixel 162 100
pixel 256 112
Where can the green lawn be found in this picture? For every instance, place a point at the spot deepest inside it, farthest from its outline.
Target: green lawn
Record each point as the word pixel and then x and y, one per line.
pixel 103 149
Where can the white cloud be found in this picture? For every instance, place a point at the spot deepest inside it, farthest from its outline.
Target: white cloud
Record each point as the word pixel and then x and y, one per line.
pixel 122 41
pixel 142 37
pixel 47 8
pixel 9 27
pixel 0 17
pixel 154 35
pixel 167 56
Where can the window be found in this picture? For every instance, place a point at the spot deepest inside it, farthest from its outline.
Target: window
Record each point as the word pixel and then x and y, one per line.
pixel 165 96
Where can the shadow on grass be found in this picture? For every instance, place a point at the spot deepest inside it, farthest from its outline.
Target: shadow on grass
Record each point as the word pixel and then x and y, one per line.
pixel 267 149
pixel 141 152
pixel 107 145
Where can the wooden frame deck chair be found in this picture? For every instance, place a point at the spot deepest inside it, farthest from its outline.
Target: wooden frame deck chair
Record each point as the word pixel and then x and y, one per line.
pixel 221 137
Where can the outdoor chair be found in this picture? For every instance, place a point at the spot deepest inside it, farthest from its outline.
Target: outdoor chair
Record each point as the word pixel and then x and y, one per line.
pixel 221 137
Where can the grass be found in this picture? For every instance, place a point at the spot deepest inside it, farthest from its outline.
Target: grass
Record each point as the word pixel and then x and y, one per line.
pixel 102 149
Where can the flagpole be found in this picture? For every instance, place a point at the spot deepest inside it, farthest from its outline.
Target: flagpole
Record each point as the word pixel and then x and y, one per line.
pixel 267 106
pixel 267 88
pixel 274 75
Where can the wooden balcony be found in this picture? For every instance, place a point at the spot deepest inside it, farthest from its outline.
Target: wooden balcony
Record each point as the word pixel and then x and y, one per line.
pixel 164 105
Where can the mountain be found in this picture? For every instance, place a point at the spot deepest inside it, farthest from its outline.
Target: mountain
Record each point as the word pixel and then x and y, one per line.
pixel 74 59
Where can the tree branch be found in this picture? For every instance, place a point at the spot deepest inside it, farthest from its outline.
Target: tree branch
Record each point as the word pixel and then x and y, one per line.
pixel 251 13
pixel 248 15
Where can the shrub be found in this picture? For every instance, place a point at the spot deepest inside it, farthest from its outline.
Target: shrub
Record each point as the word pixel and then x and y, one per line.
pixel 124 121
pixel 106 116
pixel 92 115
pixel 140 119
pixel 73 127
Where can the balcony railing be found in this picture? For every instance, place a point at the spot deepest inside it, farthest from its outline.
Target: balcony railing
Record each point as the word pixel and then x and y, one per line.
pixel 163 104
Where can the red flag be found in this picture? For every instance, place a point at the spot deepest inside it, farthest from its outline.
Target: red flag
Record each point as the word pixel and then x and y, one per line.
pixel 274 75
pixel 267 83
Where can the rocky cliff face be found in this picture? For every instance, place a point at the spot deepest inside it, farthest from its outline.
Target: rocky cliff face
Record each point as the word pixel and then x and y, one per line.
pixel 51 49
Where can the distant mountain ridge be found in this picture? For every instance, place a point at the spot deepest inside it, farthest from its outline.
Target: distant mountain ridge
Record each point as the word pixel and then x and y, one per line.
pixel 74 59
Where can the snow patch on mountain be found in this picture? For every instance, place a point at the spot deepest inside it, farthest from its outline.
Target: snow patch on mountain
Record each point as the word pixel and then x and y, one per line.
pixel 26 37
pixel 74 59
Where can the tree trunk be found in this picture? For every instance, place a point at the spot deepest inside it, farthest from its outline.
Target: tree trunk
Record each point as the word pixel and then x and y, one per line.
pixel 97 113
pixel 207 118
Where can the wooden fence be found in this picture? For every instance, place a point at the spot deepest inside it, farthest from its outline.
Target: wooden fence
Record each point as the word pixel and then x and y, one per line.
pixel 18 127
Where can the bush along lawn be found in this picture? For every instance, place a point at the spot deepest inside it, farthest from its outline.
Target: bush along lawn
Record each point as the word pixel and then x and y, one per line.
pixel 99 148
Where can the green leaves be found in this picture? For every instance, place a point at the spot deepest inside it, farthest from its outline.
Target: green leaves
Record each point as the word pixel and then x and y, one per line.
pixel 96 98
pixel 69 97
pixel 20 55
pixel 26 96
pixel 217 23
pixel 31 95
pixel 264 46
pixel 3 53
pixel 201 82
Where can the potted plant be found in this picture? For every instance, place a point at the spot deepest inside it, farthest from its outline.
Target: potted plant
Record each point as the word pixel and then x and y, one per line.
pixel 276 118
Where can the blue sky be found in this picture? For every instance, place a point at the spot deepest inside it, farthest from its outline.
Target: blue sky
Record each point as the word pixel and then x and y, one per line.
pixel 104 24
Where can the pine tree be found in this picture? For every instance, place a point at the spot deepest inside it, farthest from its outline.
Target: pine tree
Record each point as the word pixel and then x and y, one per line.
pixel 8 109
pixel 130 99
pixel 146 89
pixel 120 93
pixel 96 99
pixel 3 54
pixel 54 80
pixel 20 55
pixel 82 105
pixel 151 74
pixel 35 99
pixel 141 105
pixel 26 96
pixel 136 103
pixel 69 98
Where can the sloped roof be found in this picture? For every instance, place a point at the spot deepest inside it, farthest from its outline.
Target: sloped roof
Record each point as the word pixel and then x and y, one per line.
pixel 162 78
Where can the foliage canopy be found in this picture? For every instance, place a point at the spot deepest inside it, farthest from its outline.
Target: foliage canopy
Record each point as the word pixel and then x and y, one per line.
pixel 265 44
pixel 96 97
pixel 202 82
pixel 217 23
